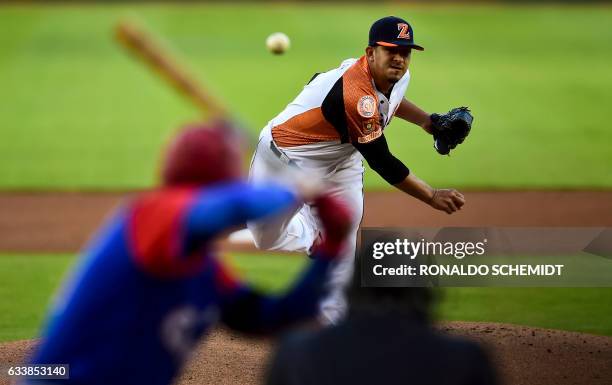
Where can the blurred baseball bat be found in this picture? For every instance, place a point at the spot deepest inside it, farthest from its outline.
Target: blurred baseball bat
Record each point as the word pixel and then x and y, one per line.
pixel 143 45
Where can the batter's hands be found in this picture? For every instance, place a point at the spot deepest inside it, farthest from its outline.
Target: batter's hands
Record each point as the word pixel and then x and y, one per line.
pixel 336 219
pixel 335 215
pixel 448 200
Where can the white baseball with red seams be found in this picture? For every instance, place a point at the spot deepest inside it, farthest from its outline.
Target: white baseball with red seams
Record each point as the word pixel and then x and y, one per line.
pixel 278 43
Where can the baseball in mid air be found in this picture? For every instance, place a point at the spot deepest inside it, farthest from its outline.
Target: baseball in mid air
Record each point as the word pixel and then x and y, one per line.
pixel 278 43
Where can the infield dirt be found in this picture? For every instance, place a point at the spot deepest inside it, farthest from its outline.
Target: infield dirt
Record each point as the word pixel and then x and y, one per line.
pixel 62 222
pixel 522 355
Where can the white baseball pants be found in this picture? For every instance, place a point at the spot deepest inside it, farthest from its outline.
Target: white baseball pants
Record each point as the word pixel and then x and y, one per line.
pixel 340 165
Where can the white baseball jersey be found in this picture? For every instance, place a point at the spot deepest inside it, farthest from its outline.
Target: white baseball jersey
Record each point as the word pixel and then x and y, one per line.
pixel 316 131
pixel 339 105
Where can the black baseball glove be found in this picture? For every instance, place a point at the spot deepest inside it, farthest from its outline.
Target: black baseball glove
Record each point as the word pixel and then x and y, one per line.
pixel 451 129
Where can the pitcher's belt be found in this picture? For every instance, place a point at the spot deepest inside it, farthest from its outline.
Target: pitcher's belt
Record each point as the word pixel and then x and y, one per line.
pixel 279 154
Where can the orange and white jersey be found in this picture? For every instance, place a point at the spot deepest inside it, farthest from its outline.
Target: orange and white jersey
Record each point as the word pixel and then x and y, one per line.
pixel 341 105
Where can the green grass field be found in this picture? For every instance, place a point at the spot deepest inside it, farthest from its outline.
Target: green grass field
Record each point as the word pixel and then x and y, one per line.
pixel 28 281
pixel 76 112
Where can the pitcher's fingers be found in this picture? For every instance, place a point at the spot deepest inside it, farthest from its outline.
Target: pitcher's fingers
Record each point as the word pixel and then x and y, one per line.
pixel 459 202
pixel 451 204
pixel 458 199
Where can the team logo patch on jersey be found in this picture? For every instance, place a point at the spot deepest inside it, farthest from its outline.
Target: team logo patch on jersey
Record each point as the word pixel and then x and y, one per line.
pixel 366 106
pixel 368 126
pixel 370 137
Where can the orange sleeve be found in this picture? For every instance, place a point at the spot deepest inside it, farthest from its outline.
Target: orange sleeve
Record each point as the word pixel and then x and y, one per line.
pixel 361 105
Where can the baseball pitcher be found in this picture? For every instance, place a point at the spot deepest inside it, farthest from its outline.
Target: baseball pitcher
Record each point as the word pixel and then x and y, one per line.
pixel 336 121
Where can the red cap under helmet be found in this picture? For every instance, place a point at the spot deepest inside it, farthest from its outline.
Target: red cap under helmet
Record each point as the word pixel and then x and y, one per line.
pixel 203 153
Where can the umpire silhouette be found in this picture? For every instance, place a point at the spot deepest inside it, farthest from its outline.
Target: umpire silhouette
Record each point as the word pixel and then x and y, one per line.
pixel 387 338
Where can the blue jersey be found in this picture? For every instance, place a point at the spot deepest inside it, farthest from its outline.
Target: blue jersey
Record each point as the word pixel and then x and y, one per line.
pixel 150 286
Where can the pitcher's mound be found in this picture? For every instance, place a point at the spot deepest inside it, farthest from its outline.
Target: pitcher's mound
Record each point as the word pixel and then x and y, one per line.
pixel 523 355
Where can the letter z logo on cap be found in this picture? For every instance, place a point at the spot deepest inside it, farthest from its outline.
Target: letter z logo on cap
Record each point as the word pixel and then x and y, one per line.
pixel 404 31
pixel 366 106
